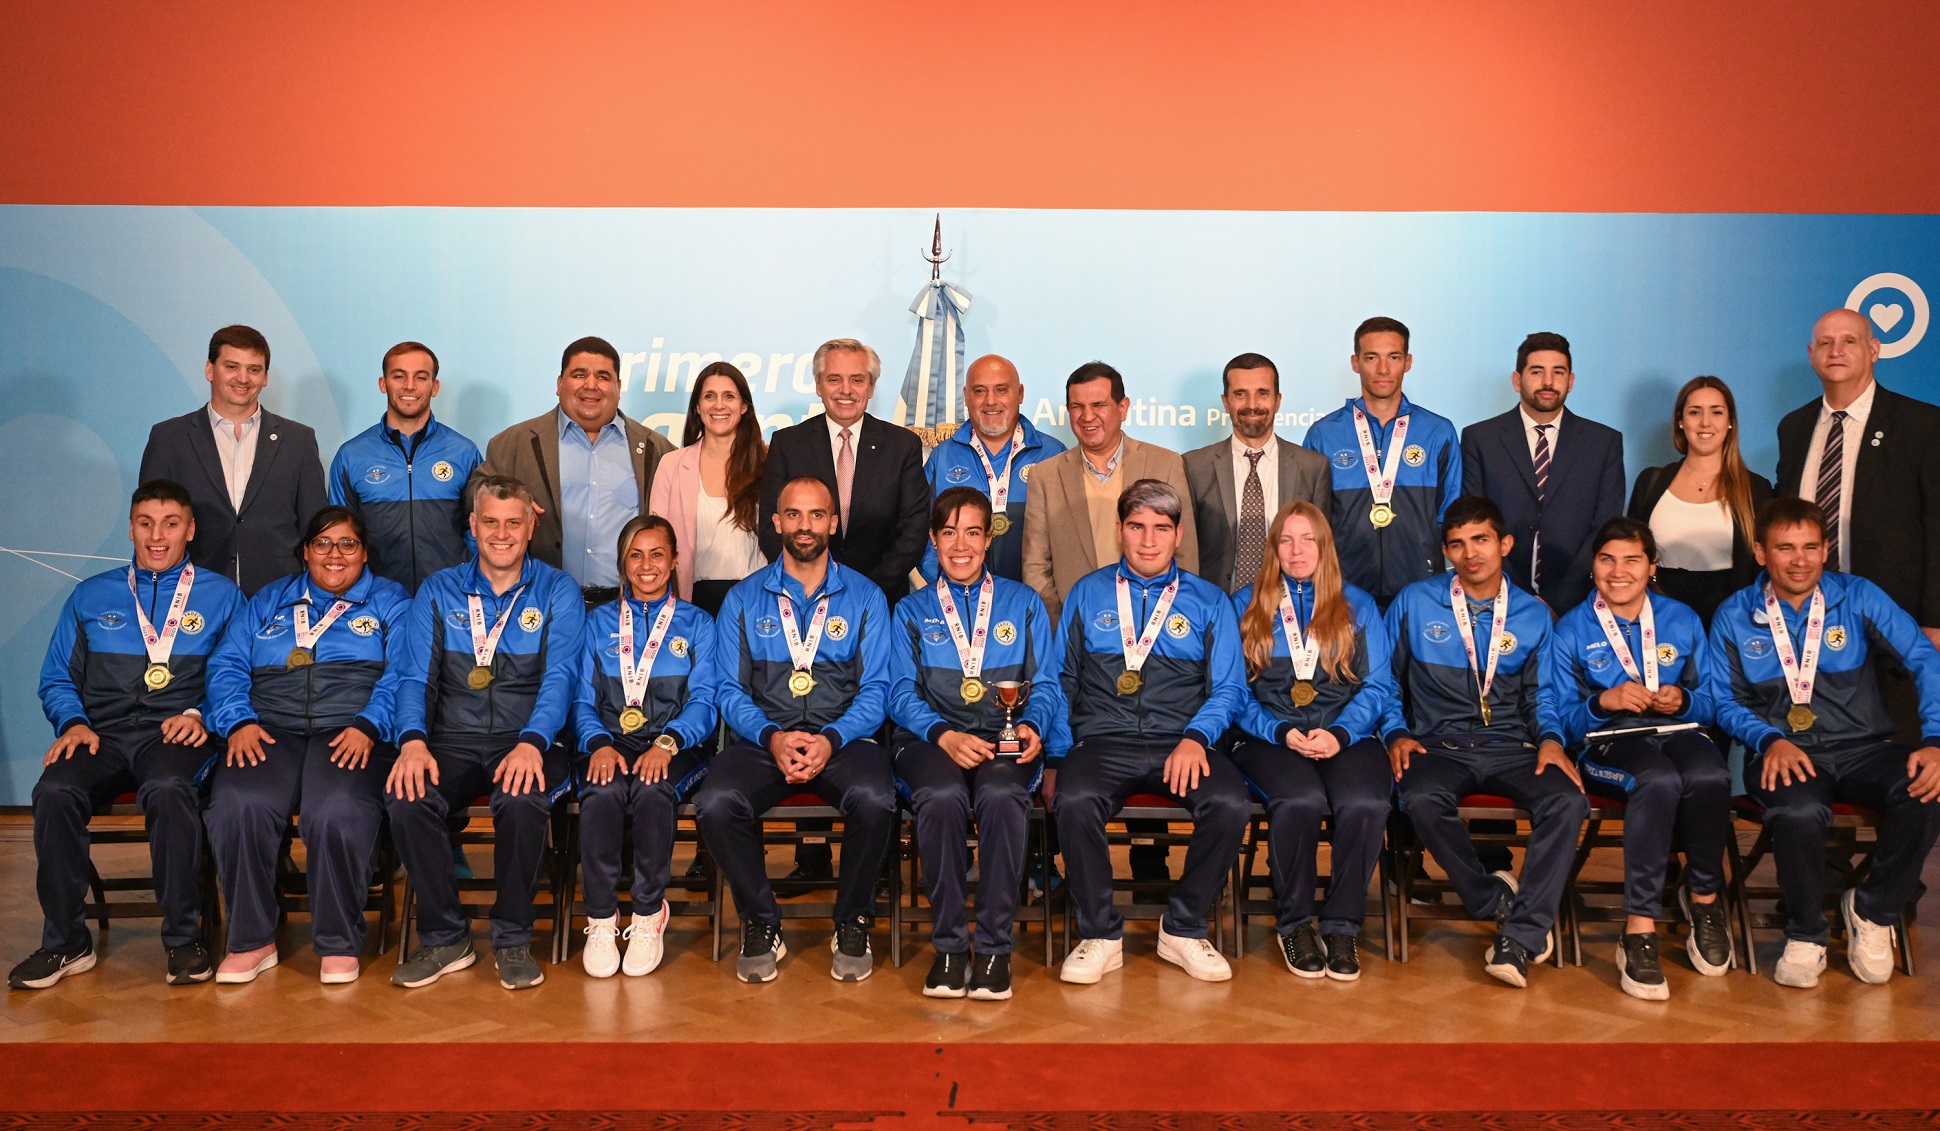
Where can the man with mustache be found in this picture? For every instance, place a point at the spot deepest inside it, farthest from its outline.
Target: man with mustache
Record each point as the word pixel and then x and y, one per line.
pixel 996 452
pixel 802 669
pixel 1556 476
pixel 1239 483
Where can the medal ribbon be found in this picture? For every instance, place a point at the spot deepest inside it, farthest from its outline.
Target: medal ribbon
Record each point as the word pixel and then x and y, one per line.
pixel 999 488
pixel 1498 615
pixel 1646 628
pixel 1139 647
pixel 1799 671
pixel 633 679
pixel 307 637
pixel 969 648
pixel 161 644
pixel 1380 478
pixel 802 652
pixel 485 646
pixel 1305 653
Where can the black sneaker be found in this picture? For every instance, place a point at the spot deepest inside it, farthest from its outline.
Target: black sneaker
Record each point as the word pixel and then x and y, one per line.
pixel 853 960
pixel 761 951
pixel 949 976
pixel 1709 941
pixel 1343 958
pixel 1509 961
pixel 1507 904
pixel 1638 971
pixel 1303 952
pixel 189 964
pixel 990 977
pixel 44 967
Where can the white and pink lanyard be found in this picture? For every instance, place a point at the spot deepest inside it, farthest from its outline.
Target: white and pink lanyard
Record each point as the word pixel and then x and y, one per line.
pixel 1799 671
pixel 633 679
pixel 999 488
pixel 969 647
pixel 802 652
pixel 1646 629
pixel 485 646
pixel 1137 648
pixel 161 644
pixel 1498 615
pixel 307 637
pixel 1305 653
pixel 1380 478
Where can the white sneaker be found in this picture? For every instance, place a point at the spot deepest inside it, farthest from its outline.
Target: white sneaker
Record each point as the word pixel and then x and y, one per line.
pixel 1197 957
pixel 643 946
pixel 1800 965
pixel 1092 959
pixel 1869 946
pixel 602 957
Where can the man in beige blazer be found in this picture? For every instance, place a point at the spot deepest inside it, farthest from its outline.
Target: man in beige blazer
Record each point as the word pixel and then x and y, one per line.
pixel 1071 514
pixel 606 480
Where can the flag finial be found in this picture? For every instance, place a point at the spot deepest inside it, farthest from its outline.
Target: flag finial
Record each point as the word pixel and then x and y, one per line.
pixel 936 255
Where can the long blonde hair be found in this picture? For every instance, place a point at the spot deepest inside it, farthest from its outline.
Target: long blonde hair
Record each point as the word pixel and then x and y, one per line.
pixel 1734 482
pixel 1332 623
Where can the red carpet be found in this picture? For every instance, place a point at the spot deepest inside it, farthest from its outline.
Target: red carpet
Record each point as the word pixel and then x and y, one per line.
pixel 981 1087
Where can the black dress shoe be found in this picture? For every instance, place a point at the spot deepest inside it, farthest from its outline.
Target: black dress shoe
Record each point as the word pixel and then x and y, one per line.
pixel 797 882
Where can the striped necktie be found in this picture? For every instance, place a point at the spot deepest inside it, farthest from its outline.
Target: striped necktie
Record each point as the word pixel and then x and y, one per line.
pixel 1542 462
pixel 1832 467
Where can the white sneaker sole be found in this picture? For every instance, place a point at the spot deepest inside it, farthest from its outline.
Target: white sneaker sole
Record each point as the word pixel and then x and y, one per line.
pixel 1638 989
pixel 989 995
pixel 1849 912
pixel 951 992
pixel 1204 972
pixel 651 945
pixel 78 966
pixel 341 979
pixel 243 977
pixel 1081 976
pixel 603 970
pixel 1698 962
pixel 781 952
pixel 1507 973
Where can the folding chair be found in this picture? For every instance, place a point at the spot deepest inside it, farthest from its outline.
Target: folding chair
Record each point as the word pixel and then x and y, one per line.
pixel 102 910
pixel 1149 807
pixel 1743 891
pixel 1247 881
pixel 1407 853
pixel 1604 812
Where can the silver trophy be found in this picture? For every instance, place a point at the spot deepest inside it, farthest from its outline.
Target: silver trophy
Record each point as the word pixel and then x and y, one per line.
pixel 1012 694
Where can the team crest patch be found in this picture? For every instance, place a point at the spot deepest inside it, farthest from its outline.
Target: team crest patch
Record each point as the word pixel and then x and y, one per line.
pixel 1598 661
pixel 1436 631
pixel 456 618
pixel 1177 625
pixel 531 619
pixel 273 629
pixel 1508 643
pixel 678 647
pixel 838 628
pixel 1024 473
pixel 365 625
pixel 1757 647
pixel 766 627
pixel 1835 637
pixel 1343 459
pixel 1106 620
pixel 933 635
pixel 192 622
pixel 1414 454
pixel 377 474
pixel 1667 653
pixel 957 474
pixel 441 471
pixel 111 620
pixel 1006 632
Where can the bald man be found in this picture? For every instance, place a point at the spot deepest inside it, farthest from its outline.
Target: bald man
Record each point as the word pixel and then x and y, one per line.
pixel 1866 455
pixel 994 452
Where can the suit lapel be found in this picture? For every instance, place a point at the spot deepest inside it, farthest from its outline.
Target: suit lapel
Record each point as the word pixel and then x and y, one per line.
pixel 1562 457
pixel 548 437
pixel 1290 487
pixel 1077 503
pixel 637 445
pixel 1871 466
pixel 268 429
pixel 1226 487
pixel 202 439
pixel 1516 447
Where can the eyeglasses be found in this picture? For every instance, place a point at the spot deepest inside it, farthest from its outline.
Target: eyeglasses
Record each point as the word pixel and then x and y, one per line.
pixel 344 546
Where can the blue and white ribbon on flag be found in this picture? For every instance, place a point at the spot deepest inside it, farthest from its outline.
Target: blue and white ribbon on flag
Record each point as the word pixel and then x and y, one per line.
pixel 929 398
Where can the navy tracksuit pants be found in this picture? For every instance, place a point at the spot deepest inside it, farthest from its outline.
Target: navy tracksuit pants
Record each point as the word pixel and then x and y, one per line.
pixel 603 815
pixel 946 798
pixel 1356 788
pixel 1676 788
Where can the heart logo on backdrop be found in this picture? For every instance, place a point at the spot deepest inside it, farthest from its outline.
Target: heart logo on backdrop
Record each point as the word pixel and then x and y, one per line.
pixel 1887 314
pixel 1916 312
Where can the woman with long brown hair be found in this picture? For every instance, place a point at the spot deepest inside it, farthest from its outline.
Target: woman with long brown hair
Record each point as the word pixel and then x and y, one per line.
pixel 1700 508
pixel 710 489
pixel 1317 656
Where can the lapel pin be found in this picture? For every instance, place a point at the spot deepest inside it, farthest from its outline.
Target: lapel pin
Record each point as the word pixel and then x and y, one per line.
pixel 272 436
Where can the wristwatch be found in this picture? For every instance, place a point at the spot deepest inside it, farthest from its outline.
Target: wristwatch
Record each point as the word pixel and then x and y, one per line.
pixel 668 743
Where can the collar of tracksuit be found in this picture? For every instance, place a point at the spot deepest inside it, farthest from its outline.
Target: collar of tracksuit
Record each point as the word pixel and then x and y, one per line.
pixel 416 439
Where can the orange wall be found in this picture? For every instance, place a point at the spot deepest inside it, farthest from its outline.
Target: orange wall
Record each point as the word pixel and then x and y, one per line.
pixel 1645 105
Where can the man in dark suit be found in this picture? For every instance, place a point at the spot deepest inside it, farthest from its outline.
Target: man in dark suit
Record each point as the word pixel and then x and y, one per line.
pixel 1877 478
pixel 1239 483
pixel 254 477
pixel 875 471
pixel 1556 476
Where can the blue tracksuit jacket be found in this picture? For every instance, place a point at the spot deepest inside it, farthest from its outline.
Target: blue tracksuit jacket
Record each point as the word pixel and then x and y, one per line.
pixel 1428 478
pixel 680 692
pixel 954 463
pixel 851 669
pixel 1439 692
pixel 1581 666
pixel 408 490
pixel 1352 710
pixel 925 697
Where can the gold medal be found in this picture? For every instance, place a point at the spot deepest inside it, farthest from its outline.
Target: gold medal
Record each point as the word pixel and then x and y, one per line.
pixel 999 525
pixel 1488 716
pixel 300 658
pixel 157 676
pixel 1382 516
pixel 972 691
pixel 1800 718
pixel 632 719
pixel 478 678
pixel 1129 682
pixel 1303 693
pixel 800 684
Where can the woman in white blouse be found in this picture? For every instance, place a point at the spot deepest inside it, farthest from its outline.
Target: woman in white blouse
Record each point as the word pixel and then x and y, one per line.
pixel 1700 509
pixel 711 488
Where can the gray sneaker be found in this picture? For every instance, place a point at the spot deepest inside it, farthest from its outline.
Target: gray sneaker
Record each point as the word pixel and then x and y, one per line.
pixel 853 959
pixel 430 963
pixel 516 969
pixel 761 951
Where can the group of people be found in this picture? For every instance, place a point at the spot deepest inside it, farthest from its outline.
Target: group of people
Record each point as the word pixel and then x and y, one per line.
pixel 1387 615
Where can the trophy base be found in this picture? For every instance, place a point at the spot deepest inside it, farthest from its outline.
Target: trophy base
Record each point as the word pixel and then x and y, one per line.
pixel 1010 747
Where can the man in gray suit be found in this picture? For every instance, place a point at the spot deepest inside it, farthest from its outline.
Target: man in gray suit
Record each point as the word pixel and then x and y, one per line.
pixel 1241 482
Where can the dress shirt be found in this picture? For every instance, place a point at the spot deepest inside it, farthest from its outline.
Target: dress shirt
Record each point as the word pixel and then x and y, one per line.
pixel 597 495
pixel 1529 435
pixel 1269 479
pixel 835 439
pixel 1111 465
pixel 1856 414
pixel 238 453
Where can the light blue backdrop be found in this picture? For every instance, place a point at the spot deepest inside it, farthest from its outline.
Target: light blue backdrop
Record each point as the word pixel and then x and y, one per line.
pixel 105 315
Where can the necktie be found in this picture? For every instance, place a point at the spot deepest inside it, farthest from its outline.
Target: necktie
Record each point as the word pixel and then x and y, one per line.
pixel 1542 462
pixel 1252 521
pixel 1832 467
pixel 844 478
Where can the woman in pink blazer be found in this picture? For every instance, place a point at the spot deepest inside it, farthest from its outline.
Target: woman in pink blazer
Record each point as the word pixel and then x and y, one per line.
pixel 710 490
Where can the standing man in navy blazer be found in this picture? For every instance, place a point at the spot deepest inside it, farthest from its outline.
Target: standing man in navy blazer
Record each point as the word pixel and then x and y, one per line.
pixel 254 477
pixel 1556 476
